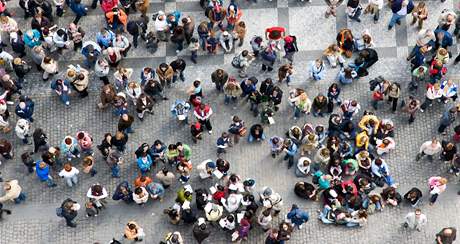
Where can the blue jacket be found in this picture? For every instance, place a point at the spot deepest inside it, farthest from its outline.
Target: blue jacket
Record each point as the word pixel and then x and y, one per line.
pixel 34 40
pixel 247 89
pixel 298 216
pixel 144 166
pixel 78 9
pixel 144 78
pixel 42 173
pixel 397 5
pixel 155 189
pixel 27 112
pixel 447 41
pixel 118 195
pixel 105 41
pixel 292 149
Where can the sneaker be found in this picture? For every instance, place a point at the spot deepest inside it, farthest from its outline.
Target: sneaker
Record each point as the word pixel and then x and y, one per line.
pixel 210 132
pixel 421 110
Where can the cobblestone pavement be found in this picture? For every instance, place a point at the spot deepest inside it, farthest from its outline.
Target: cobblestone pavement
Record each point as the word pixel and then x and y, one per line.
pixel 36 222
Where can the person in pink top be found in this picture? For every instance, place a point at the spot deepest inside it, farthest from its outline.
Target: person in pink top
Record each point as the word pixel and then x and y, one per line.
pixel 437 186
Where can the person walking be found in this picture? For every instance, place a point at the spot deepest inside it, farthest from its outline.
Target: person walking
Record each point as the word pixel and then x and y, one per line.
pixel 415 220
pixel 429 148
pixel 297 216
pixel 400 9
pixel 13 192
pixel 69 173
pixel 69 211
pixel 437 186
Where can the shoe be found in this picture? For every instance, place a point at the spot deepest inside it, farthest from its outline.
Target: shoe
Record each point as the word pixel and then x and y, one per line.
pixel 73 225
pixel 421 110
pixel 358 20
pixel 390 27
pixel 210 132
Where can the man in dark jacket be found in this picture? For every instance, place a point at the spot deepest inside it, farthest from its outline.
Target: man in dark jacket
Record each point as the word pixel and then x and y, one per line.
pixel 69 211
pixel 219 78
pixel 137 28
pixel 189 27
pixel 367 57
pixel 400 9
pixel 178 66
pixel 201 231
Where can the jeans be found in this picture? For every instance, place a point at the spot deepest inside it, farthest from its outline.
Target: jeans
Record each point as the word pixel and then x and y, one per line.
pixel 228 98
pixel 434 197
pixel 115 171
pixel 65 98
pixel 50 182
pixel 298 173
pixel 290 159
pixel 251 138
pixel 129 130
pixel 70 181
pixel 296 112
pixel 20 198
pixel 395 18
pixel 179 73
pixel 194 56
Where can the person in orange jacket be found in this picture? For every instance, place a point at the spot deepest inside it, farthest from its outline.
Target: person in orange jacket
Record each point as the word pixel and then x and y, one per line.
pixel 118 23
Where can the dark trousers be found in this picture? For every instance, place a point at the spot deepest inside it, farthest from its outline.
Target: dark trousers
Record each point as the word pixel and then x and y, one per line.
pixel 434 197
pixel 77 18
pixel 290 160
pixel 442 128
pixel 206 123
pixel 393 100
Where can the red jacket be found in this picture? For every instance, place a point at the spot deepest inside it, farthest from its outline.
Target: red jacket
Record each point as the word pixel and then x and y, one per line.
pixel 108 5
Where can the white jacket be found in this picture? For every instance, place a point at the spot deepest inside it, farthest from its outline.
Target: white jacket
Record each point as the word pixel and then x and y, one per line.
pixel 428 149
pixel 69 174
pixel 22 128
pixel 140 200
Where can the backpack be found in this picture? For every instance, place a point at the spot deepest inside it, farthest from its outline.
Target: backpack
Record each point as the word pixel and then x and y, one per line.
pixel 374 82
pixel 59 211
pixel 236 62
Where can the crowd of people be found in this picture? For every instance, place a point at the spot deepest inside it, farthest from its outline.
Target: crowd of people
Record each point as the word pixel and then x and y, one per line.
pixel 350 173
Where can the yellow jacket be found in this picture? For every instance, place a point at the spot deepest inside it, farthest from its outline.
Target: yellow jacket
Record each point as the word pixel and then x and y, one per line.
pixel 362 140
pixel 365 121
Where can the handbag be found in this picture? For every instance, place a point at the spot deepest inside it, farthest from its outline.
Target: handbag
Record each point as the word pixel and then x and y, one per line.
pixel 236 62
pixel 377 96
pixel 242 131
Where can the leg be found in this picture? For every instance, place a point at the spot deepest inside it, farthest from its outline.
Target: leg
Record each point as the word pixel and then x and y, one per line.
pixel 395 104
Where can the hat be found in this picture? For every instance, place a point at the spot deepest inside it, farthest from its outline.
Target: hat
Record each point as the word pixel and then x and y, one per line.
pixel 333 193
pixel 267 192
pixel 186 205
pixel 288 39
pixel 211 165
pixel 201 221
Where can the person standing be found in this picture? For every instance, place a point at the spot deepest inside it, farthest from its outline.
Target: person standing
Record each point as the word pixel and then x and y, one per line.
pixel 437 186
pixel 446 236
pixel 429 148
pixel 13 192
pixel 400 9
pixel 69 210
pixel 69 173
pixel 203 114
pixel 133 232
pixel 415 220
pixel 201 231
pixel 297 216
pixel 354 10
pixel 43 173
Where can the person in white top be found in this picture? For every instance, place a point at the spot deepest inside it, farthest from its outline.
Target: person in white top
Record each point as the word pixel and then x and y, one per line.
pixel 415 220
pixel 22 130
pixel 161 26
pixel 264 219
pixel 140 196
pixel 433 92
pixel 69 174
pixel 97 194
pixel 233 202
pixel 385 145
pixel 303 167
pixel 429 148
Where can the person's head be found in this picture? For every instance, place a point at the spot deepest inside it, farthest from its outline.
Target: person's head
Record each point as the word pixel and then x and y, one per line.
pixel 224 135
pixel 434 142
pixel 196 83
pixel 67 167
pixel 450 18
pixel 318 62
pixel 119 135
pixel 242 24
pixel 418 212
pixel 47 60
pixel 443 181
pixel 436 86
pixel 367 38
pixel 125 117
pixel 378 161
pixel 180 146
pixel 131 226
pixel 138 191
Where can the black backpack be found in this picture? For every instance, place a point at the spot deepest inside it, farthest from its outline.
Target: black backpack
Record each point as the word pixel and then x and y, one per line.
pixel 374 82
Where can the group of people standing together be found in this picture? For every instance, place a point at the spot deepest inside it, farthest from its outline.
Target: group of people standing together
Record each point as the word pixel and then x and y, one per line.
pixel 346 159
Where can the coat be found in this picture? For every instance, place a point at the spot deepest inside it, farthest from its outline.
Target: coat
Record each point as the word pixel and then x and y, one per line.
pixel 12 193
pixel 165 75
pixel 142 104
pixel 22 128
pixel 43 174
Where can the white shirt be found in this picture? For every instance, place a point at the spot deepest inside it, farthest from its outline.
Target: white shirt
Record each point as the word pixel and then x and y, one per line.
pixel 428 149
pixel 68 174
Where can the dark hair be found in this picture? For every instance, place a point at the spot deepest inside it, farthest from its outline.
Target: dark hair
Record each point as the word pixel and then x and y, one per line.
pixel 138 190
